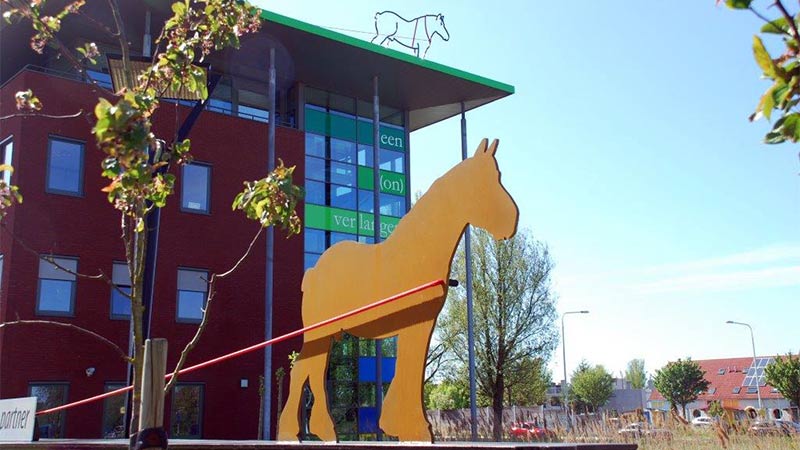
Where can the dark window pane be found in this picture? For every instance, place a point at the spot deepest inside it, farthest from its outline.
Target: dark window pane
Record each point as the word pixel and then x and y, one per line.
pixel 315 168
pixel 195 187
pixel 120 305
pixel 315 192
pixel 344 174
pixel 186 417
pixel 51 426
pixel 55 295
pixel 315 145
pixel 343 197
pixel 314 240
pixel 190 304
pixel 343 151
pixel 64 171
pixel 114 413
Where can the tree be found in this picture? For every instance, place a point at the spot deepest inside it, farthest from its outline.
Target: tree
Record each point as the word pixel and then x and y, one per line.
pixel 635 374
pixel 530 379
pixel 137 162
pixel 783 71
pixel 593 386
pixel 447 395
pixel 681 382
pixel 514 314
pixel 784 375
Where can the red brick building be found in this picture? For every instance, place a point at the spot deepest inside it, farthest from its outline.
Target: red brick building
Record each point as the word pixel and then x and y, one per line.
pixel 323 109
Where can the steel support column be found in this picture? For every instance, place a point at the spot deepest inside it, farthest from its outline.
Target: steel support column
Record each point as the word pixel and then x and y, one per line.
pixel 473 405
pixel 376 214
pixel 268 294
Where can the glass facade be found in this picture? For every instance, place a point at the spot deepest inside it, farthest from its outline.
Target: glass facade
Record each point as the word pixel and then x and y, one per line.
pixel 339 206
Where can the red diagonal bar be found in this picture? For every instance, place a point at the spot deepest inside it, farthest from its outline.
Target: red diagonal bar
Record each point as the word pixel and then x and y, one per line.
pixel 258 346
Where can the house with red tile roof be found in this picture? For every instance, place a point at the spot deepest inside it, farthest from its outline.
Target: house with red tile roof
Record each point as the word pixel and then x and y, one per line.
pixel 736 384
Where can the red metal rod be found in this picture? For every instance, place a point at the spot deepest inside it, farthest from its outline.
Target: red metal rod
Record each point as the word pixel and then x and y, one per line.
pixel 258 346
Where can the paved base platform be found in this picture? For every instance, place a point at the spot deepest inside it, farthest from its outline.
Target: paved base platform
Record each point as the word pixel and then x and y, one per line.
pixel 120 444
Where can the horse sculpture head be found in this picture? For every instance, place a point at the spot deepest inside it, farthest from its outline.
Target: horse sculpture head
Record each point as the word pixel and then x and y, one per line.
pixel 440 29
pixel 487 203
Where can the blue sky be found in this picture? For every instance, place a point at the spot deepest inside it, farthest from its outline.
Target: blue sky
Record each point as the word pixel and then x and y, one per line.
pixel 628 150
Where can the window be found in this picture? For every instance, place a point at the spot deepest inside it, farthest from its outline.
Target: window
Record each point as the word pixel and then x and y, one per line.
pixel 186 418
pixel 50 395
pixel 721 372
pixel 6 154
pixel 56 287
pixel 343 197
pixel 315 192
pixel 343 151
pixel 114 413
pixel 65 167
pixel 393 205
pixel 752 390
pixel 392 160
pixel 192 288
pixel 737 389
pixel 196 188
pixel 120 304
pixel 712 390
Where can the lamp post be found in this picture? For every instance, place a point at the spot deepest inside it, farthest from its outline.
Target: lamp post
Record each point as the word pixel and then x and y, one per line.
pixel 755 370
pixel 564 355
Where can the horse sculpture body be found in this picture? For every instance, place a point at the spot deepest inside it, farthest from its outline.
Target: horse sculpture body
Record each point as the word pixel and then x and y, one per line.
pixel 350 275
pixel 390 23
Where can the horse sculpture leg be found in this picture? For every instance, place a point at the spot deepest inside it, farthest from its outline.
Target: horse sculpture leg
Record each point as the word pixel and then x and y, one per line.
pixel 289 423
pixel 403 413
pixel 320 423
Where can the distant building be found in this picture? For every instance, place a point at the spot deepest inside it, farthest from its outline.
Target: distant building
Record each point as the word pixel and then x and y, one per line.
pixel 625 398
pixel 735 383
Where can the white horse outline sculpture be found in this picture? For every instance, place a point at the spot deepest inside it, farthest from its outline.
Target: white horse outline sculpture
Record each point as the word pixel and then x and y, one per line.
pixel 390 23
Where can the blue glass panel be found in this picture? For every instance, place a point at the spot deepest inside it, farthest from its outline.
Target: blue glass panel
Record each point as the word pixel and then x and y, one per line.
pixel 365 155
pixel 367 420
pixel 55 295
pixel 315 168
pixel 315 145
pixel 366 239
pixel 343 151
pixel 257 114
pixel 190 304
pixel 314 240
pixel 366 369
pixel 393 205
pixel 120 305
pixel 339 237
pixel 310 260
pixel 391 160
pixel 195 187
pixel 366 201
pixel 343 197
pixel 220 106
pixel 315 192
pixel 344 174
pixel 64 171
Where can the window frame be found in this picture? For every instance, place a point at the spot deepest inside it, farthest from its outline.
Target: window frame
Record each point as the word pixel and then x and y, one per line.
pixel 81 166
pixel 73 291
pixel 111 314
pixel 207 210
pixel 201 409
pixel 178 318
pixel 109 386
pixel 65 398
pixel 7 157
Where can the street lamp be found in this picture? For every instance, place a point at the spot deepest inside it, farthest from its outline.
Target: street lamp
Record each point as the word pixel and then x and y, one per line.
pixel 564 354
pixel 755 370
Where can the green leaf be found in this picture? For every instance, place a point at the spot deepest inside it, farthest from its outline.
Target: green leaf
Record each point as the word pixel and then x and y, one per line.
pixel 738 4
pixel 777 26
pixel 762 57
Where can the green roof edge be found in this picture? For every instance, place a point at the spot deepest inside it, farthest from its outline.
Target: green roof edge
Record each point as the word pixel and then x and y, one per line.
pixel 369 46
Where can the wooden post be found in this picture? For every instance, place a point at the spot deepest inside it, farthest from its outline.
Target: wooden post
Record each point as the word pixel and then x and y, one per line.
pixel 151 411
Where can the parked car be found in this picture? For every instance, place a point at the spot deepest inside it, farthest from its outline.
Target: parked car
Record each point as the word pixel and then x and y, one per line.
pixel 529 432
pixel 702 421
pixel 773 428
pixel 637 430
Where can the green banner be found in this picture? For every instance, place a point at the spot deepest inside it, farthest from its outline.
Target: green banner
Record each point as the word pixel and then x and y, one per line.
pixel 391 138
pixel 346 221
pixel 391 182
pixel 316 121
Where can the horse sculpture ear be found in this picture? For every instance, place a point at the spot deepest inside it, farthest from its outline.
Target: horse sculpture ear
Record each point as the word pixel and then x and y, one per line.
pixel 482 147
pixel 493 148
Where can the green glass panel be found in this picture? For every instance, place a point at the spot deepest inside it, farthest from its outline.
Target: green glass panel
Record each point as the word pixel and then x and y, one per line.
pixel 333 219
pixel 391 182
pixel 366 225
pixel 391 138
pixel 316 121
pixel 342 127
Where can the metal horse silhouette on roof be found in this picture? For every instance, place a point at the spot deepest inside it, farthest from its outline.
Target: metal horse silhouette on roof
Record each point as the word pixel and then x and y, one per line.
pixel 397 28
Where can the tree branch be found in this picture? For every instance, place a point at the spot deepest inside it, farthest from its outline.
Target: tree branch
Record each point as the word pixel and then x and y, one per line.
pixel 788 18
pixel 46 116
pixel 72 327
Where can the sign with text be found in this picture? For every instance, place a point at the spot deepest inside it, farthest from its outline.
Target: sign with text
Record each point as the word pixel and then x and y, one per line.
pixel 391 182
pixel 359 130
pixel 346 221
pixel 17 419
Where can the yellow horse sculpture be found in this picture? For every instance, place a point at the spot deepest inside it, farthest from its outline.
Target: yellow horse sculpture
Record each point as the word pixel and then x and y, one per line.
pixel 350 275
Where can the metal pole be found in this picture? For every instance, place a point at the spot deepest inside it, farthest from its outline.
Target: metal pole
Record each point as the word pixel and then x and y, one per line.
pixel 473 399
pixel 268 295
pixel 376 214
pixel 755 370
pixel 565 388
